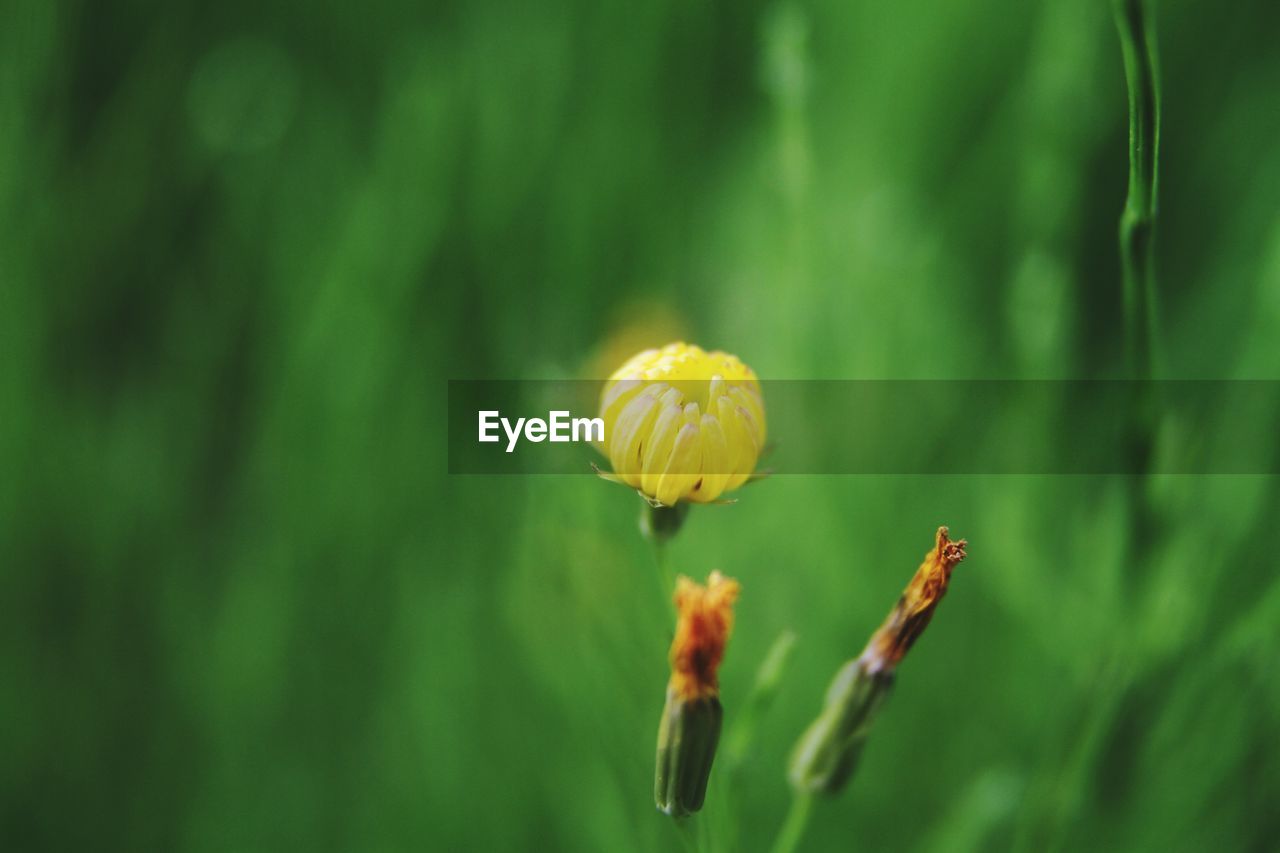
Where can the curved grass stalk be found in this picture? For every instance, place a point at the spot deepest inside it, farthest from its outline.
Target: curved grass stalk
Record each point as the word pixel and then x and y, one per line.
pixel 1135 25
pixel 1135 22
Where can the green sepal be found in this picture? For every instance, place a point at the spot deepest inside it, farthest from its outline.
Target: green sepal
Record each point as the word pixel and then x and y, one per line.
pixel 660 523
pixel 828 752
pixel 687 738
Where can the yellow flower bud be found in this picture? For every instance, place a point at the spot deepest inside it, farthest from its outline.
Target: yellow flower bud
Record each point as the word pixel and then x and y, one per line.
pixel 683 424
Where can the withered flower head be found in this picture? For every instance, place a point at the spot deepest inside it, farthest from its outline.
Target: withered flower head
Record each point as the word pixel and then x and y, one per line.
pixel 702 630
pixel 827 754
pixel 915 607
pixel 689 731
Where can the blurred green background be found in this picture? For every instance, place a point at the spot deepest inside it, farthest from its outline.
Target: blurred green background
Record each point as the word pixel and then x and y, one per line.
pixel 243 245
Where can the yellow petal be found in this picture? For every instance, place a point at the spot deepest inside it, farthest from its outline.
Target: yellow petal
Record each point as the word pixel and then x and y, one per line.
pixel 629 433
pixel 683 468
pixel 715 461
pixel 658 450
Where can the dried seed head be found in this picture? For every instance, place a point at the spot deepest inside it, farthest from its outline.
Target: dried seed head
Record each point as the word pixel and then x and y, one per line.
pixel 702 630
pixel 911 615
pixel 690 728
pixel 828 752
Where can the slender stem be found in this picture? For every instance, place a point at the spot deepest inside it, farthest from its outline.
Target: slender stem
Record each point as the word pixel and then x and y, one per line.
pixel 666 582
pixel 793 827
pixel 1135 25
pixel 1135 22
pixel 689 835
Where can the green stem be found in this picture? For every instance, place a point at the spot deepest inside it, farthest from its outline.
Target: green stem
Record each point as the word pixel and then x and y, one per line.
pixel 659 525
pixel 1066 786
pixel 689 835
pixel 666 582
pixel 793 827
pixel 1135 22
